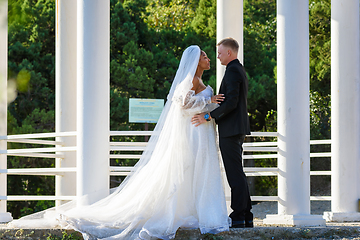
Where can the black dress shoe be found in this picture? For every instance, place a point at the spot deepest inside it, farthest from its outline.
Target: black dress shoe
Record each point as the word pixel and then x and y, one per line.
pixel 249 223
pixel 238 224
pixel 249 216
pixel 242 224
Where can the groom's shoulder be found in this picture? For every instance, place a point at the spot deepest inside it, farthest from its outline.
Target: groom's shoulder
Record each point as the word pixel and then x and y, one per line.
pixel 234 67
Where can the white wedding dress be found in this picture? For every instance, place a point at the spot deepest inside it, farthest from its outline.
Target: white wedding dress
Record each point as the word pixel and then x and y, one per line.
pixel 176 184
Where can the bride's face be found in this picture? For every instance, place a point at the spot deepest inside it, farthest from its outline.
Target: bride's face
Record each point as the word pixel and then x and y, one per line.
pixel 204 61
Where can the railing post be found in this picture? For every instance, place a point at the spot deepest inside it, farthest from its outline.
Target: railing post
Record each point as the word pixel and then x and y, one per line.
pixel 93 81
pixel 4 216
pixel 345 110
pixel 293 116
pixel 65 96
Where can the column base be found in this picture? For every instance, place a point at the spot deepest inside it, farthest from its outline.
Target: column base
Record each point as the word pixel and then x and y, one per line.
pixel 5 217
pixel 341 216
pixel 295 220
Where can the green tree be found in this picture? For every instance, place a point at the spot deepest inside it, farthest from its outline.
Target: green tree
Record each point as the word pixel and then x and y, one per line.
pixel 260 60
pixel 166 14
pixel 320 43
pixel 204 22
pixel 31 49
pixel 320 68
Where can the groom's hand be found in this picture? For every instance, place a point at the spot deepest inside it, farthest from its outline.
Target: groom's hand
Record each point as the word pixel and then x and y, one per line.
pixel 198 119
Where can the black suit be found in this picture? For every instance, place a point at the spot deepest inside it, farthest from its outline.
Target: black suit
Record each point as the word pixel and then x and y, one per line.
pixel 233 123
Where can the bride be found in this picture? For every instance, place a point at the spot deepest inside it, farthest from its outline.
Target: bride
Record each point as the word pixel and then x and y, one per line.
pixel 177 181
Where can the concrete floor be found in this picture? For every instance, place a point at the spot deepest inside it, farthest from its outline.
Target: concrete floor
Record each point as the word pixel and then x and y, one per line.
pixel 350 230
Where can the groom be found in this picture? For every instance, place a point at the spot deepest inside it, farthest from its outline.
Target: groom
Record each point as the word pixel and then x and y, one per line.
pixel 233 124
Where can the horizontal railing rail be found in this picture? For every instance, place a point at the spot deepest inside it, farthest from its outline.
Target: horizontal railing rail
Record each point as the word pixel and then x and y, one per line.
pixel 32 141
pixel 38 171
pixel 37 150
pixel 38 135
pixel 36 198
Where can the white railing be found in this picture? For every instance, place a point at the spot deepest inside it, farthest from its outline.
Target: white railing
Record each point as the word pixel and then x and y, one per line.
pixel 320 173
pixel 267 150
pixel 124 150
pixel 56 151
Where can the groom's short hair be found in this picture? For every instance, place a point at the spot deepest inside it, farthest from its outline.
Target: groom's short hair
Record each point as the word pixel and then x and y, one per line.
pixel 230 43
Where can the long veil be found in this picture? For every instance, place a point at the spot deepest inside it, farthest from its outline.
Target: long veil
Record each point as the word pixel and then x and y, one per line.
pixel 143 197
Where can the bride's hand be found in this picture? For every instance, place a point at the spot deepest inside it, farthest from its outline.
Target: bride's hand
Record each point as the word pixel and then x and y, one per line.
pixel 198 119
pixel 217 98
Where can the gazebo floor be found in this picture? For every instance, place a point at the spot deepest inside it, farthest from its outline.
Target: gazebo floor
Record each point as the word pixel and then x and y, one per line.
pixel 349 230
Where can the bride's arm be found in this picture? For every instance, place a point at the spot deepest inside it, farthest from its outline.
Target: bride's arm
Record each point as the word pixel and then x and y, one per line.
pixel 193 103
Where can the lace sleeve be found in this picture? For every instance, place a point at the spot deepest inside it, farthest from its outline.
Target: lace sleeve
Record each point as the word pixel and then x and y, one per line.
pixel 193 104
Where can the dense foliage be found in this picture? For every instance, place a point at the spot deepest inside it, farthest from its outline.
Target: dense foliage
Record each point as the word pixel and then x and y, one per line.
pixel 145 48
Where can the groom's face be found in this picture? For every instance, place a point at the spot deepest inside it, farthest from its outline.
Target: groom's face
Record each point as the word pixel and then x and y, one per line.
pixel 223 54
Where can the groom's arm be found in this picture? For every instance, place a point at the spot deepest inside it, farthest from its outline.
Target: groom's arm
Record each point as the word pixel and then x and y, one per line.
pixel 232 80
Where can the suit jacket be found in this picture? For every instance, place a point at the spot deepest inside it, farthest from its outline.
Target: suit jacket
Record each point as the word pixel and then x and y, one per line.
pixel 232 116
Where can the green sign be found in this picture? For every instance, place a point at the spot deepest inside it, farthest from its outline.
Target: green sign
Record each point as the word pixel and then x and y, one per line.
pixel 145 110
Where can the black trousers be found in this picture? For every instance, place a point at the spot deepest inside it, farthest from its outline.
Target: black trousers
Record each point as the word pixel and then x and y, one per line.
pixel 231 152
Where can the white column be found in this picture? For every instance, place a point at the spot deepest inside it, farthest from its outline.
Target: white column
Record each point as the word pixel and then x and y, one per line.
pixel 4 216
pixel 229 23
pixel 345 107
pixel 93 80
pixel 293 116
pixel 65 88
